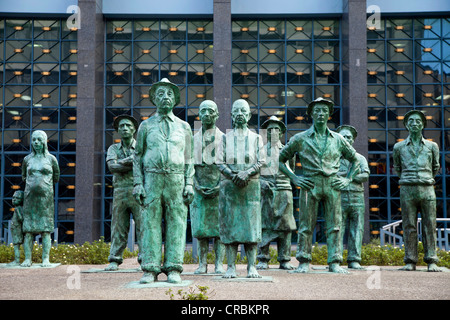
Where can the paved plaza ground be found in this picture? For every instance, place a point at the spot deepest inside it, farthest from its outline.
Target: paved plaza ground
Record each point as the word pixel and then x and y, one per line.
pixel 82 283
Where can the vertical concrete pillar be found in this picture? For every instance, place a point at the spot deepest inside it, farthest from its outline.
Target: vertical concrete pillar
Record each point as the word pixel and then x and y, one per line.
pixel 89 142
pixel 354 64
pixel 222 62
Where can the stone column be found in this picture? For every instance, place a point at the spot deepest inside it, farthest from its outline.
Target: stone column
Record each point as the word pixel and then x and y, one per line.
pixel 222 62
pixel 354 64
pixel 89 142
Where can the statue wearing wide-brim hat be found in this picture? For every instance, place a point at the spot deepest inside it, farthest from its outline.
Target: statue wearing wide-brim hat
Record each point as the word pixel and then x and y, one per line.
pixel 274 119
pixel 327 102
pixel 411 112
pixel 350 128
pixel 124 116
pixel 165 82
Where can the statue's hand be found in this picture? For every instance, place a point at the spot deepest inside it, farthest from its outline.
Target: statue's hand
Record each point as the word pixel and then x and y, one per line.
pixel 188 194
pixel 139 193
pixel 340 183
pixel 241 178
pixel 303 182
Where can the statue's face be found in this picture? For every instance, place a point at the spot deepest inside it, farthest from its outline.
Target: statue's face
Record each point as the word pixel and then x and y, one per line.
pixel 347 134
pixel 38 141
pixel 208 114
pixel 164 99
pixel 16 199
pixel 274 132
pixel 126 128
pixel 240 113
pixel 320 113
pixel 414 123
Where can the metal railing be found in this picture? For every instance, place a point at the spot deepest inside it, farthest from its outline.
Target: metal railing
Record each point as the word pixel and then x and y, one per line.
pixel 393 233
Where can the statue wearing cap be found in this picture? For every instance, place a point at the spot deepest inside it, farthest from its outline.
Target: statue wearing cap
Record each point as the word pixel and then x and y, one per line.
pixel 277 206
pixel 416 161
pixel 119 159
pixel 163 171
pixel 352 200
pixel 320 151
pixel 204 209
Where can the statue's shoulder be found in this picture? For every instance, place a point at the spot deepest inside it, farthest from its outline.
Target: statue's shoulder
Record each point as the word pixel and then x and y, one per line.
pixel 27 157
pixel 399 145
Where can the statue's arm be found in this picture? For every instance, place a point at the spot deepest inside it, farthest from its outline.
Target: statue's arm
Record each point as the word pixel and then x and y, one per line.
pixel 56 170
pixel 436 164
pixel 139 151
pixel 138 175
pixel 363 172
pixel 397 160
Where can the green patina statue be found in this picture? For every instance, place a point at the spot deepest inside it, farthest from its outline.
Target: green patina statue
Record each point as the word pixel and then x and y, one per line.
pixel 240 192
pixel 40 171
pixel 416 162
pixel 352 200
pixel 277 204
pixel 16 225
pixel 320 151
pixel 204 209
pixel 163 176
pixel 119 159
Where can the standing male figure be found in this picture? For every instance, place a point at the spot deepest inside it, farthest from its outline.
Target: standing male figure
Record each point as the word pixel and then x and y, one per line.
pixel 320 151
pixel 352 200
pixel 416 162
pixel 120 162
pixel 163 170
pixel 277 205
pixel 204 208
pixel 240 191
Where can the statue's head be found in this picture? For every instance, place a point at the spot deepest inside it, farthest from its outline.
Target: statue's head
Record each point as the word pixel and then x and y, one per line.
pixel 164 95
pixel 208 112
pixel 17 198
pixel 39 142
pixel 240 113
pixel 320 110
pixel 348 132
pixel 275 128
pixel 415 121
pixel 125 125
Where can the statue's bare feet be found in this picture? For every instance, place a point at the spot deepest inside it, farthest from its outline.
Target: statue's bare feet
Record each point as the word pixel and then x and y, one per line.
pixel 148 277
pixel 219 269
pixel 286 266
pixel 113 266
pixel 252 272
pixel 174 277
pixel 262 265
pixel 202 269
pixel 26 263
pixel 355 265
pixel 409 267
pixel 432 267
pixel 46 263
pixel 13 263
pixel 302 268
pixel 336 268
pixel 231 273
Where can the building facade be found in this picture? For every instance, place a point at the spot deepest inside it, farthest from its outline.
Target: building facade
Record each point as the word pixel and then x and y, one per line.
pixel 69 67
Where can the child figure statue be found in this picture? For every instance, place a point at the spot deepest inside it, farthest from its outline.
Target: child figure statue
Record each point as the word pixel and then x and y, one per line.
pixel 16 226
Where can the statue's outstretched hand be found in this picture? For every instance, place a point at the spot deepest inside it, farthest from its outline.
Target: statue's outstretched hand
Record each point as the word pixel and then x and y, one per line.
pixel 188 194
pixel 139 193
pixel 303 182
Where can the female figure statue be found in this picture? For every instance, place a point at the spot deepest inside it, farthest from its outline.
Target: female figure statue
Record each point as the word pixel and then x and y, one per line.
pixel 40 171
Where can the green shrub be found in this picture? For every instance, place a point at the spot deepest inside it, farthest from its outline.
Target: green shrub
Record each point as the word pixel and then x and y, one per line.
pixel 97 252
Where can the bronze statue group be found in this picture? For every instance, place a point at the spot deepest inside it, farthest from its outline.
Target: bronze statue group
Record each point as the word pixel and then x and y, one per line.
pixel 238 189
